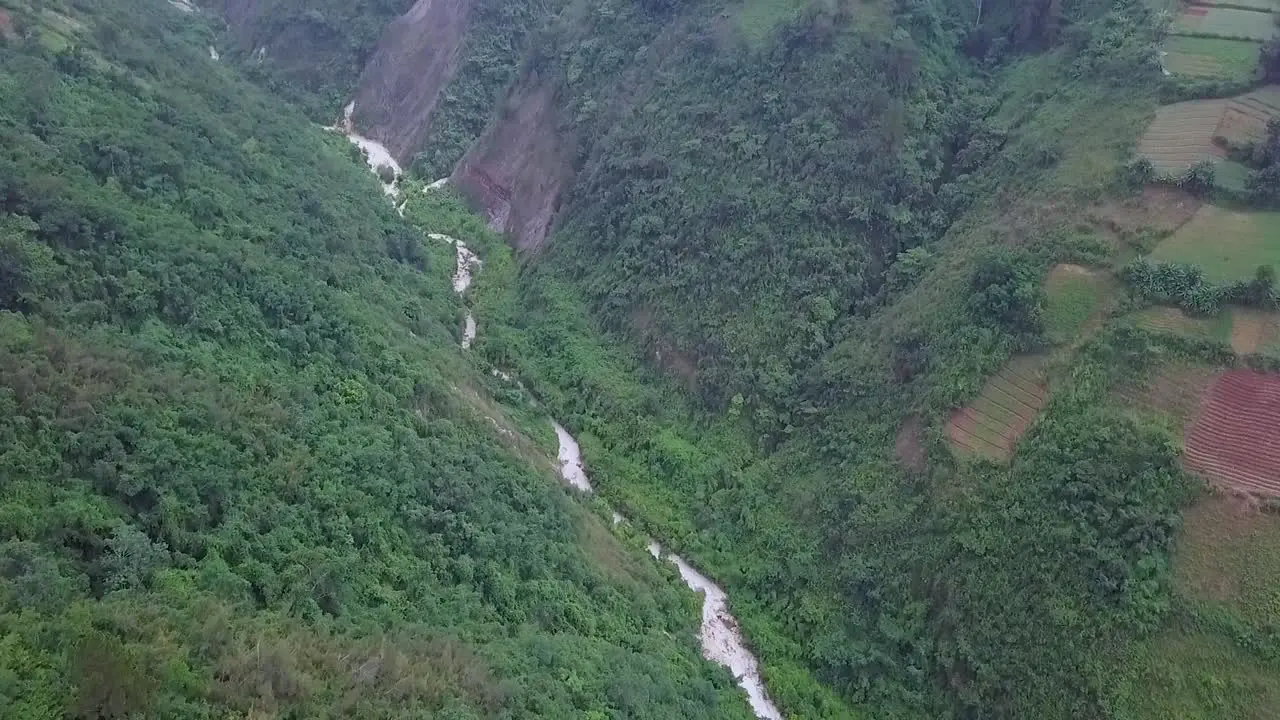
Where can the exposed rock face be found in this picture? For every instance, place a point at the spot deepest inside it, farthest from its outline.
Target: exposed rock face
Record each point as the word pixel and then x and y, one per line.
pixel 415 59
pixel 518 169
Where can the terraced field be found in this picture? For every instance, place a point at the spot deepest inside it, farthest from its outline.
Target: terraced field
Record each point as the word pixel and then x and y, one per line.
pixel 1245 117
pixel 1010 402
pixel 1181 135
pixel 1228 244
pixel 1235 440
pixel 1259 5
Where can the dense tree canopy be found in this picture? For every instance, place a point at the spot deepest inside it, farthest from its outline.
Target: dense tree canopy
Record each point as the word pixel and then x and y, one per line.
pixel 239 473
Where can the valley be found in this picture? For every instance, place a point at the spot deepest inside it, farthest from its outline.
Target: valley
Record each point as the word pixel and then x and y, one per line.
pixel 661 359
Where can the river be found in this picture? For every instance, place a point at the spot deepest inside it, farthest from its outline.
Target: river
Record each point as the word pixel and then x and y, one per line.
pixel 720 634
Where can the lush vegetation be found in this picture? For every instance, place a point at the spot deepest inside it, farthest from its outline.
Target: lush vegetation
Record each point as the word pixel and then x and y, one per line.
pixel 818 285
pixel 310 52
pixel 244 470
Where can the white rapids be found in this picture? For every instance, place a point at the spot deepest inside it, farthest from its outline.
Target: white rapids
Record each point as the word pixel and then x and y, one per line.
pixel 720 634
pixel 721 637
pixel 376 154
pixel 466 263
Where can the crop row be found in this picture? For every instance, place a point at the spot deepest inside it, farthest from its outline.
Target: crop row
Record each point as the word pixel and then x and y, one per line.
pixel 993 423
pixel 1236 439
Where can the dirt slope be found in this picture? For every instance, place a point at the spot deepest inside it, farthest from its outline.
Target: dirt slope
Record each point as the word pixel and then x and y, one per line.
pixel 518 169
pixel 414 60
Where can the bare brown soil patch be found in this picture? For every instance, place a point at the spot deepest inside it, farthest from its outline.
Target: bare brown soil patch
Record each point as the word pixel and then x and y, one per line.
pixel 1158 208
pixel 1235 440
pixel 908 445
pixel 1068 269
pixel 1248 327
pixel 6 25
pixel 1173 392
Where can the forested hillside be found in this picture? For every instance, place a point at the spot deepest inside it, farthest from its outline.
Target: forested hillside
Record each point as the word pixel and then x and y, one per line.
pixel 244 469
pixel 838 304
pixel 943 336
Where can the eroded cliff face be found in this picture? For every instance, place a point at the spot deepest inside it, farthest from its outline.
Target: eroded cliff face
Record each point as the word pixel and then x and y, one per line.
pixel 519 168
pixel 416 57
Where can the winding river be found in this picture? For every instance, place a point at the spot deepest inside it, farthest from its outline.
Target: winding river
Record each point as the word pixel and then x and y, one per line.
pixel 720 635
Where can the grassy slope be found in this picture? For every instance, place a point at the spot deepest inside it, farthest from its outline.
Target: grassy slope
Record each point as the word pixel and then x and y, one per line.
pixel 1228 244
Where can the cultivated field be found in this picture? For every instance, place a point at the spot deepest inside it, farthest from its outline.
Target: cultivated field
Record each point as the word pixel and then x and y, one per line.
pixel 1235 440
pixel 1182 135
pixel 1245 118
pixel 1175 322
pixel 1229 554
pixel 1173 392
pixel 1248 327
pixel 1225 22
pixel 1010 402
pixel 1076 296
pixel 1211 57
pixel 1228 244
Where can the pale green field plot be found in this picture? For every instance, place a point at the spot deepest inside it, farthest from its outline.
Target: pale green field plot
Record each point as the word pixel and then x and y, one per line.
pixel 1231 175
pixel 1076 295
pixel 1226 22
pixel 1211 57
pixel 1228 244
pixel 1191 675
pixel 1175 322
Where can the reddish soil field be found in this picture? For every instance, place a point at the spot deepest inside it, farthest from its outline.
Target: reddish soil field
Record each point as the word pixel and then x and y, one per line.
pixel 6 23
pixel 993 423
pixel 1196 10
pixel 1235 441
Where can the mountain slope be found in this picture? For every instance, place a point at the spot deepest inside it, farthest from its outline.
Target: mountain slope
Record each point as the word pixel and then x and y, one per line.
pixel 244 468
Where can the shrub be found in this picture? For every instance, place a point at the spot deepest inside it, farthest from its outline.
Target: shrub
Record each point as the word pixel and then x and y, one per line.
pixel 1198 179
pixel 1177 283
pixel 1137 173
pixel 1008 293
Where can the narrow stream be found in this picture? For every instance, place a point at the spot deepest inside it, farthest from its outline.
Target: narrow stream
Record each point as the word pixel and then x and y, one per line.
pixel 467 260
pixel 376 154
pixel 720 634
